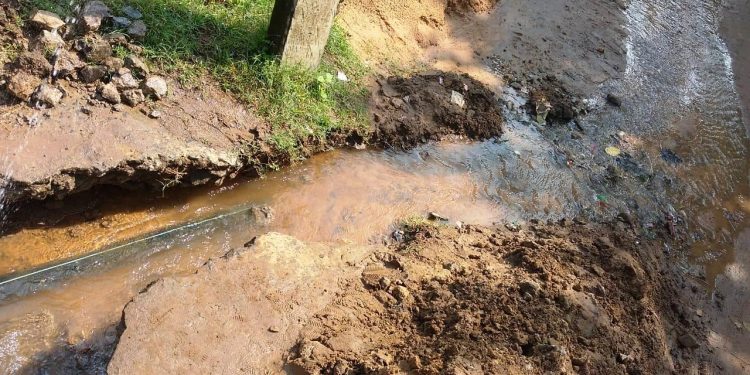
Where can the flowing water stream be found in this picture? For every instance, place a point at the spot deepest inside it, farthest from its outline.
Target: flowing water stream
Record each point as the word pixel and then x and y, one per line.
pixel 680 96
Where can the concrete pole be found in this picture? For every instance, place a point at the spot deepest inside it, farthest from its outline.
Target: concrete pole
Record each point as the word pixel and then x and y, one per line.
pixel 299 30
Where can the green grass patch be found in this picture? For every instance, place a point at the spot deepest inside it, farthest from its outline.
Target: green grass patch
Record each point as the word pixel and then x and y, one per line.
pixel 226 39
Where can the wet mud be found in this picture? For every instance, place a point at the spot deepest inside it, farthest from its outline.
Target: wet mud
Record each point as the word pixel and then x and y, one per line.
pixel 408 111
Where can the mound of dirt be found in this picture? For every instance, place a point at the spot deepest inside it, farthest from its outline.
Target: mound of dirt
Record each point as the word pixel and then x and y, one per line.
pixel 546 299
pixel 408 111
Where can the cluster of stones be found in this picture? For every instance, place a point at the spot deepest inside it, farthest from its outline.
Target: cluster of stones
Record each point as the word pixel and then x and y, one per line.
pixel 77 51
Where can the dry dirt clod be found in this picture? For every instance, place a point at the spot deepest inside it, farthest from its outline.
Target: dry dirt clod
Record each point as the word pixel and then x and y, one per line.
pixel 93 14
pixel 48 94
pixel 47 20
pixel 22 85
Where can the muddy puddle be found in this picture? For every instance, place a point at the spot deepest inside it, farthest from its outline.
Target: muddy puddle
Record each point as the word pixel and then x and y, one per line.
pixel 680 122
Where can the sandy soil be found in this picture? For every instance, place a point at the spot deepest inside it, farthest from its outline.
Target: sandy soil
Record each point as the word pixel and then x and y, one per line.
pixel 565 298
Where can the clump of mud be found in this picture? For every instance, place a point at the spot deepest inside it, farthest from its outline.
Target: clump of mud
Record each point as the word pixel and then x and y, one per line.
pixel 567 298
pixel 408 111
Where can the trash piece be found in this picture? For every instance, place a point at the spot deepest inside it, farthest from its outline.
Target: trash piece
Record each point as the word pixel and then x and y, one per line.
pixel 612 151
pixel 341 76
pixel 458 99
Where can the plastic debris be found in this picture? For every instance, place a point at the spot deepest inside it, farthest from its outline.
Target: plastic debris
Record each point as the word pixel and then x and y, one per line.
pixel 458 99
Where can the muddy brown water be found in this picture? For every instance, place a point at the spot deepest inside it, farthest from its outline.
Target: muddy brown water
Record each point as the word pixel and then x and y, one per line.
pixel 679 94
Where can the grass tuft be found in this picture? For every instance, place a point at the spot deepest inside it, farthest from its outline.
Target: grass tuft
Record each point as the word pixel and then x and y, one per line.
pixel 226 39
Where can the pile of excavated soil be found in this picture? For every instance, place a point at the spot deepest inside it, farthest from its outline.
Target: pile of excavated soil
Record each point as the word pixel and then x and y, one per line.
pixel 545 299
pixel 411 110
pixel 562 298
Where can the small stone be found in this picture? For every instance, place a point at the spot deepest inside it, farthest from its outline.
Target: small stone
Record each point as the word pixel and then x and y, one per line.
pixel 118 107
pixel 133 97
pixel 113 64
pixel 47 41
pixel 138 29
pixel 434 216
pixel 401 293
pixel 155 114
pixel 109 93
pixel 132 12
pixel 97 50
pixel 93 14
pixel 48 94
pixel 92 73
pixel 155 86
pixel 125 82
pixel 47 20
pixel 86 110
pixel 688 341
pixel 117 38
pixel 273 329
pixel 22 85
pixel 121 22
pixel 137 65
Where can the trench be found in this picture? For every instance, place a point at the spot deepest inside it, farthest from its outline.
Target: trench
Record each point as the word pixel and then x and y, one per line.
pixel 65 284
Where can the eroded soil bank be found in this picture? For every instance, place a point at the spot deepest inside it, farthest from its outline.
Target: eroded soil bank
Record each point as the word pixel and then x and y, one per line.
pixel 567 297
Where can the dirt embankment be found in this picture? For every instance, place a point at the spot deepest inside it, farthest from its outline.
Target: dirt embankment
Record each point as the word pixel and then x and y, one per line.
pixel 90 133
pixel 569 297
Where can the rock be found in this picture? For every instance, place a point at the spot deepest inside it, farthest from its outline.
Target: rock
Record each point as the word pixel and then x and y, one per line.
pixel 47 20
pixel 458 99
pixel 114 64
pixel 22 85
pixel 116 38
pixel 125 82
pixel 121 22
pixel 93 14
pixel 155 114
pixel 132 12
pixel 48 94
pixel 688 341
pixel 614 100
pixel 434 216
pixel 109 93
pixel 92 73
pixel 33 62
pixel 47 41
pixel 136 65
pixel 138 29
pixel 531 287
pixel 155 86
pixel 97 50
pixel 273 329
pixel 401 293
pixel 133 97
pixel 67 64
